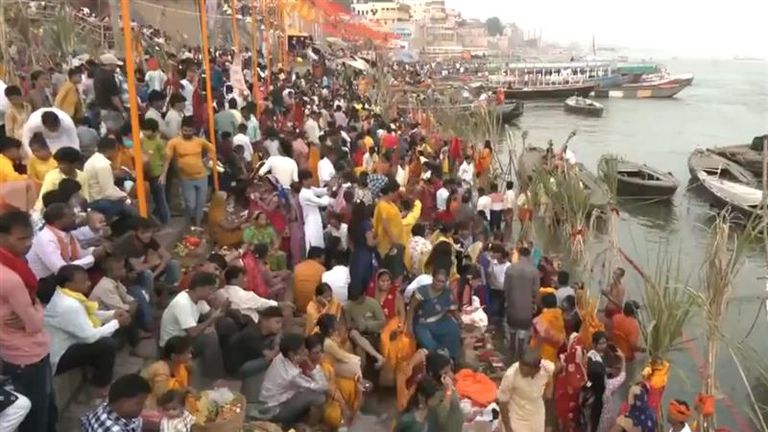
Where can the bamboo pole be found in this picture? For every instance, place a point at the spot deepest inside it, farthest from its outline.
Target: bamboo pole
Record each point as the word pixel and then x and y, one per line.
pixel 255 53
pixel 235 29
pixel 130 69
pixel 267 40
pixel 208 90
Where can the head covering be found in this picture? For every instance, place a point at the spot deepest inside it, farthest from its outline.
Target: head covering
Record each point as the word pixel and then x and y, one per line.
pixel 110 60
pixel 678 411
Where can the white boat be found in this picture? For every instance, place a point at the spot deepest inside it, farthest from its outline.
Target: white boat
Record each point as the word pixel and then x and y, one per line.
pixel 735 194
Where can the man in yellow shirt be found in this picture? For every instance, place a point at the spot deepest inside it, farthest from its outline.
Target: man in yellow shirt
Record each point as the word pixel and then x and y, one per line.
pixel 188 151
pixel 388 227
pixel 68 98
pixel 68 159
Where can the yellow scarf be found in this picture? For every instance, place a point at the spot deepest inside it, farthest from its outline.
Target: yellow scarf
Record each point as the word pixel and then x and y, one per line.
pixel 90 306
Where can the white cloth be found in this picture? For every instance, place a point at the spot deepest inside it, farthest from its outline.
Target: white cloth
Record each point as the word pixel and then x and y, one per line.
pixel 509 199
pixel 12 416
pixel 67 322
pixel 188 92
pixel 499 271
pixel 685 428
pixel 243 140
pixel 338 278
pixel 86 237
pixel 467 172
pixel 101 180
pixel 420 281
pixel 173 123
pixel 525 397
pixel 66 136
pixel 247 302
pixel 342 232
pixel 111 295
pixel 484 205
pixel 156 80
pixel 3 102
pixel 45 255
pixel 569 156
pixel 325 171
pixel 564 292
pixel 283 168
pixel 311 200
pixel 180 315
pixel 283 380
pixel 312 130
pixel 272 146
pixel 441 199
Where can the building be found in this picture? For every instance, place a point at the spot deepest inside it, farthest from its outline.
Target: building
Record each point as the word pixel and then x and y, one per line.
pixel 387 14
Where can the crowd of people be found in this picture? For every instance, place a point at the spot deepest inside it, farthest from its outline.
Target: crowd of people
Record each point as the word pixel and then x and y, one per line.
pixel 385 237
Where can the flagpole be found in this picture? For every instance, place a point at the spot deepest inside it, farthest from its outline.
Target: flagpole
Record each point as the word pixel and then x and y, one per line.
pixel 208 90
pixel 267 41
pixel 130 70
pixel 255 53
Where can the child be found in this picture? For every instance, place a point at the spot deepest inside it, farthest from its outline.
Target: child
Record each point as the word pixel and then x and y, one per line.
pixel 17 114
pixel 175 416
pixel 42 160
pixel 154 149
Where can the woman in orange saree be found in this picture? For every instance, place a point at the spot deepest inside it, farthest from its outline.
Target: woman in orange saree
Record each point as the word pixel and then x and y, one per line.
pixel 337 411
pixel 407 376
pixel 170 372
pixel 396 345
pixel 323 303
pixel 548 329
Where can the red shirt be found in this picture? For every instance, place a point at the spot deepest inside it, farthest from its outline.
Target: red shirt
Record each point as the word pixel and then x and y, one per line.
pixel 27 345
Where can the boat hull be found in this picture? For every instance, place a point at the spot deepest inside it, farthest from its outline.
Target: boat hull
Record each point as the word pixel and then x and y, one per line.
pixel 705 160
pixel 591 111
pixel 553 92
pixel 665 89
pixel 511 112
pixel 743 155
pixel 652 189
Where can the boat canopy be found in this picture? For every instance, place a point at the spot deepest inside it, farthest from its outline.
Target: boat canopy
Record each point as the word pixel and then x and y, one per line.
pixel 638 68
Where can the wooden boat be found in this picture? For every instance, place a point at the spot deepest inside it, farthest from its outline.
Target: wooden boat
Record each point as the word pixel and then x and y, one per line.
pixel 707 162
pixel 640 180
pixel 584 106
pixel 532 159
pixel 511 111
pixel 750 156
pixel 549 91
pixel 740 196
pixel 663 88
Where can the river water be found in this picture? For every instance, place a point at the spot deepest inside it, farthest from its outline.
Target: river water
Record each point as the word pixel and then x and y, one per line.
pixel 727 104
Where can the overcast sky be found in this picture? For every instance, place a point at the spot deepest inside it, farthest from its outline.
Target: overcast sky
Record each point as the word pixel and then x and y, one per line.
pixel 696 28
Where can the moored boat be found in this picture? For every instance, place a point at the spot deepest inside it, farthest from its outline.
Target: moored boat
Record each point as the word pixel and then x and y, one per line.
pixel 750 156
pixel 706 162
pixel 640 180
pixel 584 106
pixel 532 159
pixel 549 91
pixel 740 196
pixel 511 111
pixel 666 87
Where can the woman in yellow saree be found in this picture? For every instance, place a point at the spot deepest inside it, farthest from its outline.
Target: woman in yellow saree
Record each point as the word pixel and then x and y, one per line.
pixel 397 346
pixel 336 412
pixel 323 303
pixel 170 372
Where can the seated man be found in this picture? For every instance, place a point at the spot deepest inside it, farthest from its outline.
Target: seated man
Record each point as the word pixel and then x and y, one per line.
pixel 251 350
pixel 288 389
pixel 147 260
pixel 105 197
pixel 364 315
pixel 55 246
pixel 306 276
pixel 188 314
pixel 122 410
pixel 215 264
pixel 68 159
pixel 16 189
pixel 245 302
pixel 80 332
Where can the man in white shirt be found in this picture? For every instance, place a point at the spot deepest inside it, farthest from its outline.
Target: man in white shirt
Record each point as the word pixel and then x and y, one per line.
pixel 338 277
pixel 182 318
pixel 311 199
pixel 499 265
pixel 283 167
pixel 337 228
pixel 56 126
pixel 105 197
pixel 156 101
pixel 241 139
pixel 339 117
pixel 55 246
pixel 79 336
pixel 174 116
pixel 467 171
pixel 442 194
pixel 484 203
pixel 312 128
pixel 188 86
pixel 287 388
pixel 90 234
pixel 155 78
pixel 247 303
pixel 325 169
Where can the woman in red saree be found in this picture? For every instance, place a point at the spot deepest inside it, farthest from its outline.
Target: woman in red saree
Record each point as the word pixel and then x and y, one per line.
pixel 268 199
pixel 396 345
pixel 568 384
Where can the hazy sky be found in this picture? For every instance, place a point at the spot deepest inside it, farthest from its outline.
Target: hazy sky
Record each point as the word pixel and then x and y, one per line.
pixel 702 28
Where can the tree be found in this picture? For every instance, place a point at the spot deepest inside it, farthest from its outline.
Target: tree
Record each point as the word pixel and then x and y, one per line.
pixel 494 27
